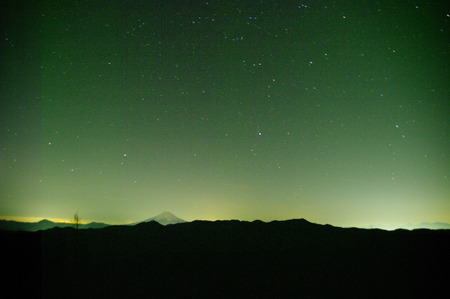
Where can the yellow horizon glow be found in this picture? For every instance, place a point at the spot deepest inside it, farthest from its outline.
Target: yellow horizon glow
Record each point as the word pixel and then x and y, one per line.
pixel 27 219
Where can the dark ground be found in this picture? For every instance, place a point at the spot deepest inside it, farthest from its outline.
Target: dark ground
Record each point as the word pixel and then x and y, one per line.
pixel 226 259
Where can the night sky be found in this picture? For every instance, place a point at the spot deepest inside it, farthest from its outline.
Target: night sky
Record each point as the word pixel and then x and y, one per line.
pixel 332 111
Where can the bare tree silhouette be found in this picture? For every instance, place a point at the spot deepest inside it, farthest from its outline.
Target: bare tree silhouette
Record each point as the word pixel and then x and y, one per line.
pixel 76 220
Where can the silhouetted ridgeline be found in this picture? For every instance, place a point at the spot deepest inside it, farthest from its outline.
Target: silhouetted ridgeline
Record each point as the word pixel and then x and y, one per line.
pixel 228 259
pixel 43 224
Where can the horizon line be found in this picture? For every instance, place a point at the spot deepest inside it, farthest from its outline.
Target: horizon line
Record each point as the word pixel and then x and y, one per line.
pixel 390 226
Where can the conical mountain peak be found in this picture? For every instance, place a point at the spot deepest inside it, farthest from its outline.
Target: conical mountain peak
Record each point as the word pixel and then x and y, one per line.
pixel 165 218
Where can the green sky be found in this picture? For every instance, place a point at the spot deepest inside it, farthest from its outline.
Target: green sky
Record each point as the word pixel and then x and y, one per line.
pixel 333 111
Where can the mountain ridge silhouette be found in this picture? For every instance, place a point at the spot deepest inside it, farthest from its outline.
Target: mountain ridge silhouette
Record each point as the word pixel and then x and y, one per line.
pixel 44 224
pixel 167 218
pixel 228 258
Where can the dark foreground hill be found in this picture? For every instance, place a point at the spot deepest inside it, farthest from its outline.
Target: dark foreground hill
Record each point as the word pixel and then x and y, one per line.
pixel 226 259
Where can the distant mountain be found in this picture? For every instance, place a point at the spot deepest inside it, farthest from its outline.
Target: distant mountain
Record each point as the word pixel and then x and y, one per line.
pixel 43 225
pixel 423 225
pixel 434 225
pixel 165 218
pixel 94 225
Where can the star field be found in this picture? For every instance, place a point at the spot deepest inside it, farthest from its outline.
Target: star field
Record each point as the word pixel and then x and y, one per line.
pixel 334 112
